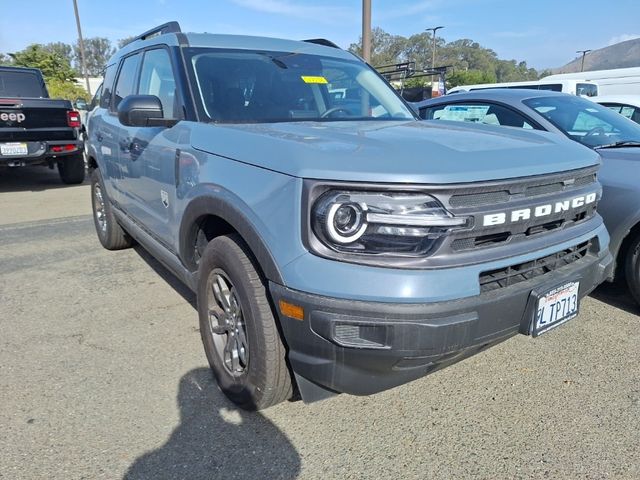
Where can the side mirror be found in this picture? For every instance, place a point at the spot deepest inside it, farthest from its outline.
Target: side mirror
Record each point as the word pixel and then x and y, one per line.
pixel 81 104
pixel 141 111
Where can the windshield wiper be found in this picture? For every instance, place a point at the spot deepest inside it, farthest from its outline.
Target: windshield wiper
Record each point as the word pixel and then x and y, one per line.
pixel 619 144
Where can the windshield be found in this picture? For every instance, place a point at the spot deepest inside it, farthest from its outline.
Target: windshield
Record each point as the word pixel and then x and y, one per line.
pixel 20 84
pixel 585 121
pixel 250 87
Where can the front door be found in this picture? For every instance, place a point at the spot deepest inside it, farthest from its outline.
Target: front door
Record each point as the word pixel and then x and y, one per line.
pixel 152 151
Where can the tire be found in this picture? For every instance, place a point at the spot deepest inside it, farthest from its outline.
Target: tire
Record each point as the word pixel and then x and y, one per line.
pixel 111 235
pixel 258 376
pixel 71 169
pixel 632 267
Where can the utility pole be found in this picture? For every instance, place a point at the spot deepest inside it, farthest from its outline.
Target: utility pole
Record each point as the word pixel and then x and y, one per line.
pixel 366 30
pixel 583 52
pixel 81 45
pixel 433 51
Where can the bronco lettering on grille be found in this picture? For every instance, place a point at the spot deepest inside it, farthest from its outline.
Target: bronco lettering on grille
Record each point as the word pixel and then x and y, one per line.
pixel 538 211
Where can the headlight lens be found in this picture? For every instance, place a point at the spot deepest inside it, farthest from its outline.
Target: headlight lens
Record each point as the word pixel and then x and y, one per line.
pixel 399 223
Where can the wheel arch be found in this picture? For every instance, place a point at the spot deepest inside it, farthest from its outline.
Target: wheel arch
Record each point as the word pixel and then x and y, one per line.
pixel 220 216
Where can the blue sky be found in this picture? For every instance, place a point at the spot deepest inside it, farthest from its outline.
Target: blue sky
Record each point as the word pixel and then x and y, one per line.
pixel 545 33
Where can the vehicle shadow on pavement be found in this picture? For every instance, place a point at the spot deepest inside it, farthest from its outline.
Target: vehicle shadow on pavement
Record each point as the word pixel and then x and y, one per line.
pixel 31 179
pixel 173 281
pixel 617 295
pixel 215 440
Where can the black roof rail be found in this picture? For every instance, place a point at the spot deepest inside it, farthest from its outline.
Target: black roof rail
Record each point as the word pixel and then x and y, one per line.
pixel 322 41
pixel 169 27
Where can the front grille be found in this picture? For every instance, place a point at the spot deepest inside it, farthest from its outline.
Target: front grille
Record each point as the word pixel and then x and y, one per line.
pixel 513 274
pixel 509 195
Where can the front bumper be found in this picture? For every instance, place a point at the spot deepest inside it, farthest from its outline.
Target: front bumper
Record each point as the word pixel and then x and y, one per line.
pixel 362 347
pixel 40 152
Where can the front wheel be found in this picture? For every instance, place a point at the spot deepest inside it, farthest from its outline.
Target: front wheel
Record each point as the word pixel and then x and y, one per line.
pixel 632 267
pixel 71 169
pixel 238 328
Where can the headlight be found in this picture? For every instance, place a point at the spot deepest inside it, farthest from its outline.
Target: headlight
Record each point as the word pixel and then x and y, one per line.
pixel 406 224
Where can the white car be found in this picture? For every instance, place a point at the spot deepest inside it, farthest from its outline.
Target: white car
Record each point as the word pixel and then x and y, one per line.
pixel 626 105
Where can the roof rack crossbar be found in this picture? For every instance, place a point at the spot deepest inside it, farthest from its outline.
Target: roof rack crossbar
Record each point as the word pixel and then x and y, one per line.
pixel 322 41
pixel 169 27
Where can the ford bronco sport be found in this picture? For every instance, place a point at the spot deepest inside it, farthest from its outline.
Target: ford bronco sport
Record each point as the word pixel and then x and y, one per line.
pixel 335 242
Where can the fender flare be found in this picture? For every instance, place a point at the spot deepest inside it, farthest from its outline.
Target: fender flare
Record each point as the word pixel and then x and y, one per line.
pixel 215 204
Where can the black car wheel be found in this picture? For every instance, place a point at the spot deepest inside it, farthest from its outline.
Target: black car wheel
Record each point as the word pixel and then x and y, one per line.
pixel 238 327
pixel 71 169
pixel 632 267
pixel 111 235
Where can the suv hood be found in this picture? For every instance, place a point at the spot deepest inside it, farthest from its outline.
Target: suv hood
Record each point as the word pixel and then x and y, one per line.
pixel 393 151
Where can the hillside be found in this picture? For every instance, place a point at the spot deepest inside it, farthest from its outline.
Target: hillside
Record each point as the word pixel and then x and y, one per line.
pixel 620 55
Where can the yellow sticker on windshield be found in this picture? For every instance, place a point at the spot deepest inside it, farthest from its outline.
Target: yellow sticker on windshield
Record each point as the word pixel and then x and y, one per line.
pixel 308 79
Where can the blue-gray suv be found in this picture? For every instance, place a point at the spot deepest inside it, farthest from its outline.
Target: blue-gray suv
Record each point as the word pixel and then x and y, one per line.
pixel 335 242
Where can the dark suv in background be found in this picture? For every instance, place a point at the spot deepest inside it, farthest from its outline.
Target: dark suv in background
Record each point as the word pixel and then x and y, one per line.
pixel 37 130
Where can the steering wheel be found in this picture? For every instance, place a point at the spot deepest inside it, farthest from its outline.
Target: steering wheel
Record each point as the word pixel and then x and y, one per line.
pixel 595 131
pixel 333 110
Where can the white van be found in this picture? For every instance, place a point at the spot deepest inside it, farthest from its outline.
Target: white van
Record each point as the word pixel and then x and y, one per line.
pixel 573 86
pixel 617 81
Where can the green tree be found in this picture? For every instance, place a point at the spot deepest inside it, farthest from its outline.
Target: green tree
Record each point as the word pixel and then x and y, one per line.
pixel 469 77
pixel 97 51
pixel 66 90
pixel 125 41
pixel 52 65
pixel 385 48
pixel 63 49
pixel 5 59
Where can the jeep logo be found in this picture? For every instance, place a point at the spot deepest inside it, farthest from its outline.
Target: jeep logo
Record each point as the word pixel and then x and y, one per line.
pixel 539 211
pixel 12 117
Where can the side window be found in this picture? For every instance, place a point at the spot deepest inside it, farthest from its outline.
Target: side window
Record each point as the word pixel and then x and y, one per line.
pixel 490 114
pixel 107 85
pixel 156 78
pixel 96 98
pixel 125 85
pixel 629 111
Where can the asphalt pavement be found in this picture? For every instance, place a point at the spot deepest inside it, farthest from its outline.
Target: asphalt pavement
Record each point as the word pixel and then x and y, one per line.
pixel 103 376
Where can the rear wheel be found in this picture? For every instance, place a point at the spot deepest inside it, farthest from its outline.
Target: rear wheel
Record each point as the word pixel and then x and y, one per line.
pixel 632 267
pixel 238 327
pixel 111 235
pixel 71 169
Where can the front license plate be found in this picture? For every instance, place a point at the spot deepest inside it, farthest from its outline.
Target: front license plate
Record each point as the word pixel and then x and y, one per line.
pixel 556 307
pixel 14 149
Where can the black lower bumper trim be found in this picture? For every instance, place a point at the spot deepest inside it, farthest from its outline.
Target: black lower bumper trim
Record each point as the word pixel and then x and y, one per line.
pixel 362 348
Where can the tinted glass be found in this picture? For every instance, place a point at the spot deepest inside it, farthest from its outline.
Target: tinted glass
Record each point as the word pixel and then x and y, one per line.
pixel 628 111
pixel 126 80
pixel 107 85
pixel 487 113
pixel 156 78
pixel 585 121
pixel 20 84
pixel 246 86
pixel 586 89
pixel 96 98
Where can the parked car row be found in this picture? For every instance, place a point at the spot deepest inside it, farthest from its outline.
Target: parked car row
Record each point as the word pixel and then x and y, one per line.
pixel 336 242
